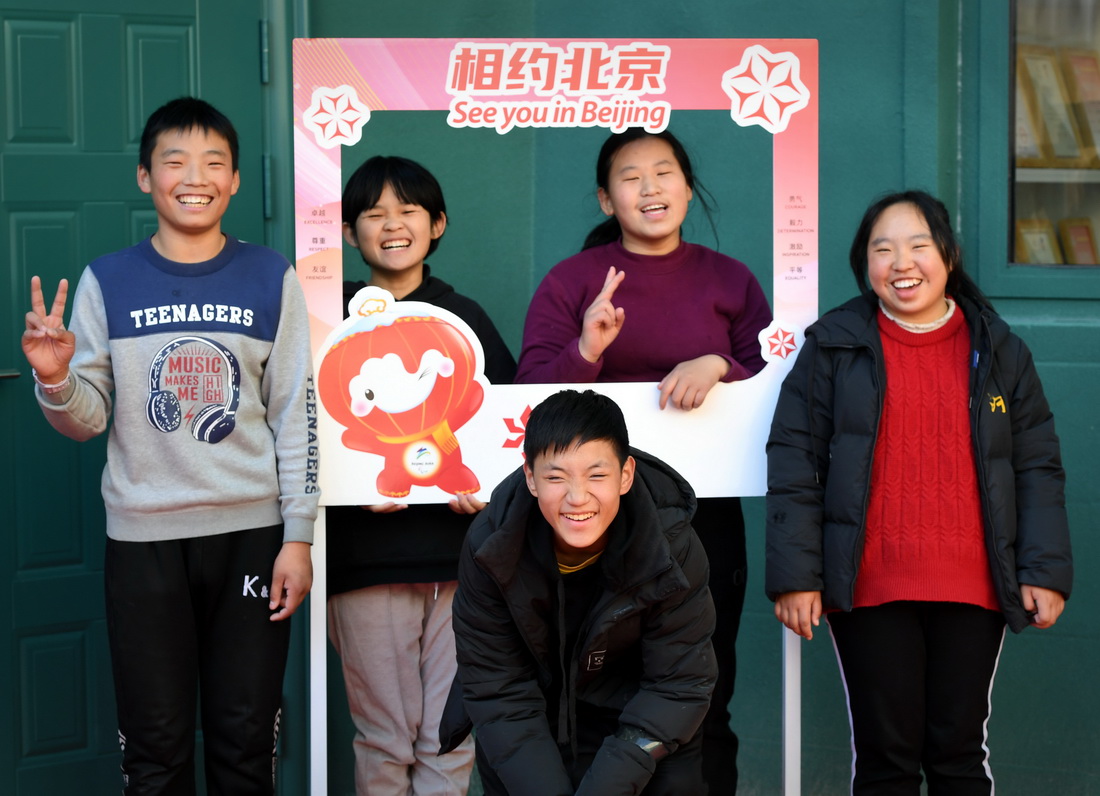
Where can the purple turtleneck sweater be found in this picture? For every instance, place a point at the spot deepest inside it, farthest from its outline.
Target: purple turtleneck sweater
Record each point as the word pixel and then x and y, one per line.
pixel 679 306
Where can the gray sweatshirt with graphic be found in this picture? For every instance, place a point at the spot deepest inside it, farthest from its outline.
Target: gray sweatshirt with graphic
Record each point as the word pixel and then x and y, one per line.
pixel 208 372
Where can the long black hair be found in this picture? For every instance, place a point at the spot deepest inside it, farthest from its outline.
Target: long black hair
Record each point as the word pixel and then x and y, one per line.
pixel 934 212
pixel 609 231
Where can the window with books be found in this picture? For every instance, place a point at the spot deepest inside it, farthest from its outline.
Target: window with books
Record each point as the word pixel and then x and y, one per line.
pixel 1056 194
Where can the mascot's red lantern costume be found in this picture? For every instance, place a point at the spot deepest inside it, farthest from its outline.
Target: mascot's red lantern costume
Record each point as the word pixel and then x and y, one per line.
pixel 401 378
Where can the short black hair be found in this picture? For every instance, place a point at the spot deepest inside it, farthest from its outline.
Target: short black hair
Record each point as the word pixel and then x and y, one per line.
pixel 935 214
pixel 182 114
pixel 569 418
pixel 412 183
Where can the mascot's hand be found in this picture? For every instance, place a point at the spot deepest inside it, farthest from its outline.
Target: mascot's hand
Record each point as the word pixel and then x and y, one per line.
pixel 361 442
pixel 459 415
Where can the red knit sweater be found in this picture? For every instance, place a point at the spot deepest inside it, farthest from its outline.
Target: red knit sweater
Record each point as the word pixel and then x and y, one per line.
pixel 924 536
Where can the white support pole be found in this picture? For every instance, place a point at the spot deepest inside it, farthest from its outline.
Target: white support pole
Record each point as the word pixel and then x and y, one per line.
pixel 792 713
pixel 318 665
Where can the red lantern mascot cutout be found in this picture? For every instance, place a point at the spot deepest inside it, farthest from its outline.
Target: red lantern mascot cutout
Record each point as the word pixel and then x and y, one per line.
pixel 401 378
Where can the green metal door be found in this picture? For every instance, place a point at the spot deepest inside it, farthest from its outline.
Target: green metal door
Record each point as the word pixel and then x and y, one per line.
pixel 78 85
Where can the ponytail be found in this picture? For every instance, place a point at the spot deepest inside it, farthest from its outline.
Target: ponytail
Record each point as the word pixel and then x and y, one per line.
pixel 607 231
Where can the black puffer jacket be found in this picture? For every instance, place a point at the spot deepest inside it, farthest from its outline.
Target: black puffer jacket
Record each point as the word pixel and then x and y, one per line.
pixel 823 440
pixel 644 650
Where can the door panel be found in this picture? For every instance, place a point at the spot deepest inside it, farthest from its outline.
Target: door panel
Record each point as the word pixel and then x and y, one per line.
pixel 79 87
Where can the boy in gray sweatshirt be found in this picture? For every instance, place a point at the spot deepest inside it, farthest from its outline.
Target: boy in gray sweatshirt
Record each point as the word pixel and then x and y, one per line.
pixel 196 345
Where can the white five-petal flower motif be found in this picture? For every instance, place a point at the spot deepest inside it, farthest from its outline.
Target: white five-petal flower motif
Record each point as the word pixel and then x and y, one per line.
pixel 336 117
pixel 765 89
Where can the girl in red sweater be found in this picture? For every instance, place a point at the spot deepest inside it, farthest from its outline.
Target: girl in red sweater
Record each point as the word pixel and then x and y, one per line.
pixel 915 495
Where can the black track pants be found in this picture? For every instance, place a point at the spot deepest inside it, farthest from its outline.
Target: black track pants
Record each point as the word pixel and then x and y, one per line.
pixel 919 677
pixel 188 620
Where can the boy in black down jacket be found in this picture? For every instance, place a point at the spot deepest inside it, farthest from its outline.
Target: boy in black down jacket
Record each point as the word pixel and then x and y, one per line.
pixel 583 617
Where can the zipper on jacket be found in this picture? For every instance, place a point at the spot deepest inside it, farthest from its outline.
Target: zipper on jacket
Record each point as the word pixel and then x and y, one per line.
pixel 880 377
pixel 975 359
pixel 566 697
pixel 978 380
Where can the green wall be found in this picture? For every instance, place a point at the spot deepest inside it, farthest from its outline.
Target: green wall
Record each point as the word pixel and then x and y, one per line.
pixel 914 93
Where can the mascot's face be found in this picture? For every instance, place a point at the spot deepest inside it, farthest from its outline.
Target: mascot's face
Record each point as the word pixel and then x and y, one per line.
pixel 384 383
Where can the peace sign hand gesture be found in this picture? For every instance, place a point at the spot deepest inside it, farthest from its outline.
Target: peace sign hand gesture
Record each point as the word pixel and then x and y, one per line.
pixel 47 344
pixel 602 319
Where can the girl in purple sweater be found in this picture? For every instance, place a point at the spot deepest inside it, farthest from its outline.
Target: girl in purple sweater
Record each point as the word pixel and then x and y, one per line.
pixel 641 304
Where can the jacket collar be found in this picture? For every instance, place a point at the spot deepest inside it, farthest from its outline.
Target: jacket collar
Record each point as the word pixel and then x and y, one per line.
pixel 850 324
pixel 658 507
pixel 854 322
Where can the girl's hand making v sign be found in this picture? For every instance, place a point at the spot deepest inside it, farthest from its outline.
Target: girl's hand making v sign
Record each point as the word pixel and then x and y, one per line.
pixel 686 385
pixel 602 320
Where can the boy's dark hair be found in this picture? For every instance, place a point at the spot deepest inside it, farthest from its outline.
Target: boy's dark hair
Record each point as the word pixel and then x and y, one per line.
pixel 569 418
pixel 938 219
pixel 182 114
pixel 412 183
pixel 608 230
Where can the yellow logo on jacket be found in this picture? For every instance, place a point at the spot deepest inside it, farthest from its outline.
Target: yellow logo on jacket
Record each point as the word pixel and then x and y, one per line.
pixel 996 402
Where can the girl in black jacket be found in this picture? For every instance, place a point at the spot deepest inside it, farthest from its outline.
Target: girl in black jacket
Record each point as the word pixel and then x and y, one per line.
pixel 915 496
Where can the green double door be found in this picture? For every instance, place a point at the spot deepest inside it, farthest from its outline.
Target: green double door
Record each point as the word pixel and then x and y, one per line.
pixel 80 78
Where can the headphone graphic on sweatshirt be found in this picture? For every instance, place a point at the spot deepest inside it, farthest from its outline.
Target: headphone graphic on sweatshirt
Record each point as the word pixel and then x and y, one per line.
pixel 214 421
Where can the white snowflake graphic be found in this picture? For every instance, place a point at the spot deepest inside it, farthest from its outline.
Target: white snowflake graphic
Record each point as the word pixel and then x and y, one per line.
pixel 336 117
pixel 765 89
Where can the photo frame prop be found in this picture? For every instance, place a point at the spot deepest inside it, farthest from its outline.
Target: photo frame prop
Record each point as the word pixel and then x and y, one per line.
pixel 611 84
pixel 507 84
pixel 1078 241
pixel 1081 69
pixel 1049 110
pixel 1037 243
pixel 1028 147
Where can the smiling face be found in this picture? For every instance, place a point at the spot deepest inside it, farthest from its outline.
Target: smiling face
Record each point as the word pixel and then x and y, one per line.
pixel 191 178
pixel 905 267
pixel 648 193
pixel 393 236
pixel 578 491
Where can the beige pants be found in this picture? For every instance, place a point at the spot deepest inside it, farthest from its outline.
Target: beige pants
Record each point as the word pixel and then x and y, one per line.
pixel 398 654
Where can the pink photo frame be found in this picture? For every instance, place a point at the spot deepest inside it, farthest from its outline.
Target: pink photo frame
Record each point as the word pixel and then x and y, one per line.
pixel 609 83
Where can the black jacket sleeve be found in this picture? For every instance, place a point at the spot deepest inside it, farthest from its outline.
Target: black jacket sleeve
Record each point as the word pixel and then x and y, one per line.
pixel 1043 555
pixel 678 674
pixel 797 452
pixel 500 365
pixel 500 687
